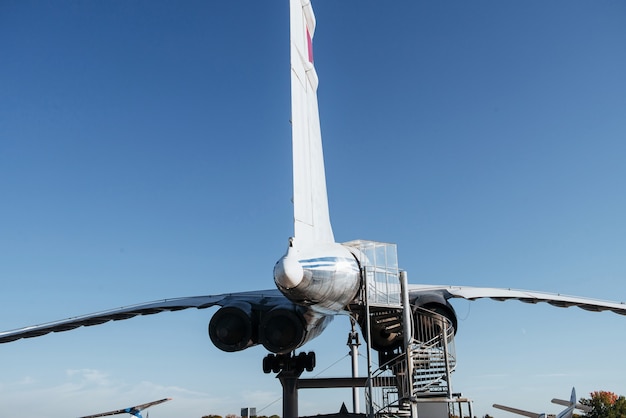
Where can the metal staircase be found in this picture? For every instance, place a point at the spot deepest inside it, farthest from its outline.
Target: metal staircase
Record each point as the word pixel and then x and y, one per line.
pixel 432 352
pixel 433 359
pixel 417 372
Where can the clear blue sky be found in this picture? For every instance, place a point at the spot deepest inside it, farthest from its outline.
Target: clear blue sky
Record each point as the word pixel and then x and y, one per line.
pixel 145 154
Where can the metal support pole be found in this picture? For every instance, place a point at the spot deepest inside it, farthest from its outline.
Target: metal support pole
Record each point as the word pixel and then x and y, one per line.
pixel 408 337
pixel 446 356
pixel 289 381
pixel 368 330
pixel 354 343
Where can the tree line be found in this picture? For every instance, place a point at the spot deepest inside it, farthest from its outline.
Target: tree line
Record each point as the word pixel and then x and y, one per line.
pixel 604 405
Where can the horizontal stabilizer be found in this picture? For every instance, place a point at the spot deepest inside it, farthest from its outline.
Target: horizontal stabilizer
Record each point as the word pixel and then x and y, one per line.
pixel 579 406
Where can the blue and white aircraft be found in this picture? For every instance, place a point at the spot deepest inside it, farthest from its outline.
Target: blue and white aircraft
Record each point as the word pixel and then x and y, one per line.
pixel 132 410
pixel 317 278
pixel 568 412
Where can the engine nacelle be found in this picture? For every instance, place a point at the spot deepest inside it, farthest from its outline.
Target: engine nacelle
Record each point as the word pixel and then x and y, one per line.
pixel 434 303
pixel 386 324
pixel 282 329
pixel 234 327
pixel 385 329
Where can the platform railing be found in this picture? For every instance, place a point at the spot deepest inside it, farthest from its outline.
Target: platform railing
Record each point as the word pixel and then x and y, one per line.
pixel 432 351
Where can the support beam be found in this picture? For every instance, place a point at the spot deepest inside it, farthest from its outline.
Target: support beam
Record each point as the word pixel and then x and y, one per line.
pixel 345 382
pixel 332 382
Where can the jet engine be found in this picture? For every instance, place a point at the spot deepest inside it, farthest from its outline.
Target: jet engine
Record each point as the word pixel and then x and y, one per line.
pixel 234 327
pixel 281 328
pixel 434 303
pixel 431 317
pixel 386 324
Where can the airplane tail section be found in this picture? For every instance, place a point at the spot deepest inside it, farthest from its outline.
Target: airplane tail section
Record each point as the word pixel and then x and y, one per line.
pixel 569 411
pixel 584 408
pixel 310 200
pixel 566 413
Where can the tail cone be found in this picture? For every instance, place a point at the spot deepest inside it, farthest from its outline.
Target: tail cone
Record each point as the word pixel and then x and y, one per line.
pixel 288 272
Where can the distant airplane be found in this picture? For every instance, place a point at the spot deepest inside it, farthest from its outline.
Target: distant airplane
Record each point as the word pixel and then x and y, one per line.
pixel 133 410
pixel 318 277
pixel 579 406
pixel 568 412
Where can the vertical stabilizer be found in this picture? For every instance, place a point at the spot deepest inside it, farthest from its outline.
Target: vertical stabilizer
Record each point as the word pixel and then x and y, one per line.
pixel 310 200
pixel 569 411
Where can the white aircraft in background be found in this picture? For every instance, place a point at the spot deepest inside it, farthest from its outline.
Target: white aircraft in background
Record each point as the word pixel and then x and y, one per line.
pixel 133 410
pixel 568 412
pixel 579 406
pixel 318 277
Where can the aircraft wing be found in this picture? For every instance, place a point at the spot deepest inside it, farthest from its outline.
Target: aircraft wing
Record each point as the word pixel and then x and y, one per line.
pixel 518 411
pixel 133 410
pixel 255 298
pixel 561 301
